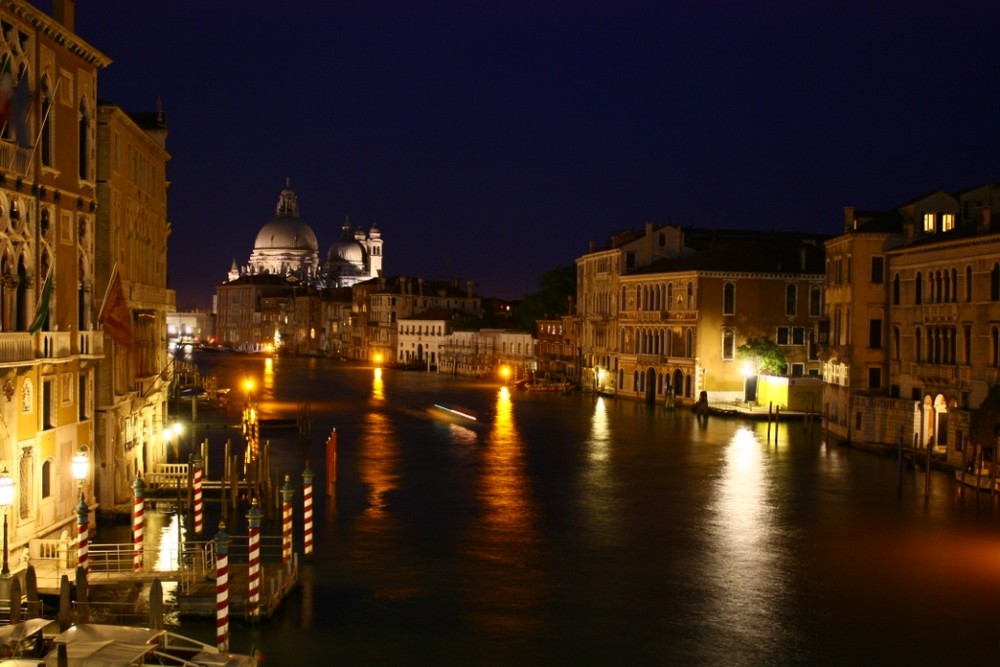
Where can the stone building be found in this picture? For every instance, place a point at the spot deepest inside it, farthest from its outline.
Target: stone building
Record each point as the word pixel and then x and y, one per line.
pixel 132 233
pixel 49 345
pixel 913 305
pixel 663 311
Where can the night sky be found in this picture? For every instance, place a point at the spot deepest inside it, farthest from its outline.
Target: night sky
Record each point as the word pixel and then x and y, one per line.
pixel 493 141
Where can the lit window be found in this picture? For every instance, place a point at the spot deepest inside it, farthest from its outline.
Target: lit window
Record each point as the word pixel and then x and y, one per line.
pixel 947 222
pixel 929 222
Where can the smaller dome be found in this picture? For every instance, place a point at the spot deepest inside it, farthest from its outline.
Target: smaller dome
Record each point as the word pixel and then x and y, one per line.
pixel 347 251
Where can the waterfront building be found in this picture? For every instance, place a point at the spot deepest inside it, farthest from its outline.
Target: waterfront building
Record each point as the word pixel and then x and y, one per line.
pixel 556 349
pixel 250 309
pixel 132 233
pixel 914 298
pixel 662 312
pixel 336 303
pixel 380 303
pixel 49 343
pixel 421 337
pixel 194 327
pixel 483 352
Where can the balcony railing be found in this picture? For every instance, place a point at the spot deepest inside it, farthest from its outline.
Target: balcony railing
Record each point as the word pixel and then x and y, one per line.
pixel 53 344
pixel 943 374
pixel 15 159
pixel 16 346
pixel 91 343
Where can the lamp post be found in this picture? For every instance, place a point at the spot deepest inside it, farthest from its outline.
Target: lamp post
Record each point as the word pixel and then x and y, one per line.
pixel 6 501
pixel 172 433
pixel 80 466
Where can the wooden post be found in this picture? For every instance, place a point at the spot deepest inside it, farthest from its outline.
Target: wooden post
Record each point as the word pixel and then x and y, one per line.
pixel 331 462
pixel 138 502
pixel 198 509
pixel 156 605
pixel 286 520
pixel 82 596
pixel 65 606
pixel 307 512
pixel 15 600
pixel 253 562
pixel 222 588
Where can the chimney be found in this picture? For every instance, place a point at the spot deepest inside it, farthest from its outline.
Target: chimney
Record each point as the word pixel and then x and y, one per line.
pixel 850 223
pixel 64 11
pixel 591 247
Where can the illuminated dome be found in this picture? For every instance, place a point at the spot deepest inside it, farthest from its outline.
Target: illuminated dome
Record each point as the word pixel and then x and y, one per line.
pixel 285 244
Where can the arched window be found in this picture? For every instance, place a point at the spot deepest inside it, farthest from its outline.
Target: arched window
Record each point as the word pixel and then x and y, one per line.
pixel 728 344
pixel 729 299
pixel 895 290
pixel 918 350
pixel 47 108
pixel 918 297
pixel 968 283
pixel 995 282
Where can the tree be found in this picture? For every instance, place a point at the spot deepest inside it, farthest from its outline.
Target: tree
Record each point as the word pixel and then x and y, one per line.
pixel 764 354
pixel 551 300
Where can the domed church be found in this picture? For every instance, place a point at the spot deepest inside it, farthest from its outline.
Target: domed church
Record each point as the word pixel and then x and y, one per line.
pixel 287 246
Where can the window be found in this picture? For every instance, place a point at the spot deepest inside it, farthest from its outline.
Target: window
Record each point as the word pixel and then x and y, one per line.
pixel 995 283
pixel 46 134
pixel 918 295
pixel 728 344
pixel 875 333
pixel 84 139
pixel 878 270
pixel 874 377
pixel 947 222
pixel 729 299
pixel 782 337
pixel 929 222
pixel 47 478
pixel 895 290
pixel 798 336
pixel 895 343
pixel 48 410
pixel 798 369
pixel 815 302
pixel 791 300
pixel 630 260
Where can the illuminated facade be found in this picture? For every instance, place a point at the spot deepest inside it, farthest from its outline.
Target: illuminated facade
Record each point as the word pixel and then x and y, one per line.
pixel 49 346
pixel 132 235
pixel 913 310
pixel 662 313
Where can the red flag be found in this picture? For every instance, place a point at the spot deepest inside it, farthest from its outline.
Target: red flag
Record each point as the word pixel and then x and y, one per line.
pixel 115 314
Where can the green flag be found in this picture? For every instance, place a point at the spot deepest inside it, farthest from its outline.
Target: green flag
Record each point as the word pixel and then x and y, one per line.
pixel 42 309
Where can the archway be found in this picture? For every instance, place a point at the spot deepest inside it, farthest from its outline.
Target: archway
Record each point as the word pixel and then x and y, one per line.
pixel 650 386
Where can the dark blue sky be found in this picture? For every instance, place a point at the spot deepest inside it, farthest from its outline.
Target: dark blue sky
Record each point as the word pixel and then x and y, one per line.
pixel 493 141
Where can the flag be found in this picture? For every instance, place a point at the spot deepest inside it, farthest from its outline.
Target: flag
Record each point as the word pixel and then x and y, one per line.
pixel 6 92
pixel 115 314
pixel 18 113
pixel 42 309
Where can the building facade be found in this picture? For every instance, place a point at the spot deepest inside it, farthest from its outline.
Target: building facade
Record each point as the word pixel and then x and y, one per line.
pixel 132 235
pixel 914 343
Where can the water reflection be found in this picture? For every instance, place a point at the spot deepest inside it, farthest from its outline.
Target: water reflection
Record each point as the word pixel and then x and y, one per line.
pixel 378 387
pixel 600 501
pixel 505 540
pixel 378 454
pixel 745 573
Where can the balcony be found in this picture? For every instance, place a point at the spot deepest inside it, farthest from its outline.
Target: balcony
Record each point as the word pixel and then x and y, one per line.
pixel 53 345
pixel 91 343
pixel 939 312
pixel 15 158
pixel 16 347
pixel 943 374
pixel 650 359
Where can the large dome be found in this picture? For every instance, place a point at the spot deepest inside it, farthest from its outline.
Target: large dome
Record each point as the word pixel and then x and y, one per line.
pixel 286 234
pixel 285 231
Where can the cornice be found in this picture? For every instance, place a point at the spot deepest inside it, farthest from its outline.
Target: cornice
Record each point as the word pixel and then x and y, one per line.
pixel 55 31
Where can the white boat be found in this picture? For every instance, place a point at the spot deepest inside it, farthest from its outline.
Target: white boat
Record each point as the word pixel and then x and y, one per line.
pixel 97 645
pixel 453 415
pixel 978 479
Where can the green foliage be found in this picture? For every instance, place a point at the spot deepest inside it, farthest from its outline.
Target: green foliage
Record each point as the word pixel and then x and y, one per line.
pixel 550 301
pixel 764 354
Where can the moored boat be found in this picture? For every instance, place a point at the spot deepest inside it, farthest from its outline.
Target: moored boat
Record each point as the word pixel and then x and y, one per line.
pixel 980 479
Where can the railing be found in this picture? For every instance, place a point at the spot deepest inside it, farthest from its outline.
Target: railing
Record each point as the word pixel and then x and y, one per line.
pixel 13 158
pixel 167 474
pixel 16 346
pixel 91 343
pixel 54 344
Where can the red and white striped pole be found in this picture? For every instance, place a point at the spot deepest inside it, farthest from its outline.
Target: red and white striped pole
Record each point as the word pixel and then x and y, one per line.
pixel 137 521
pixel 82 533
pixel 198 506
pixel 253 563
pixel 222 588
pixel 286 520
pixel 307 512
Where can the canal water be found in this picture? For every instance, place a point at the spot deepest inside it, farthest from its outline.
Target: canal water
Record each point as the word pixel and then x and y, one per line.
pixel 574 529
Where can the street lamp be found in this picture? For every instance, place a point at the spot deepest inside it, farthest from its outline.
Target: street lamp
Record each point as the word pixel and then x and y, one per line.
pixel 248 385
pixel 6 501
pixel 80 465
pixel 172 433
